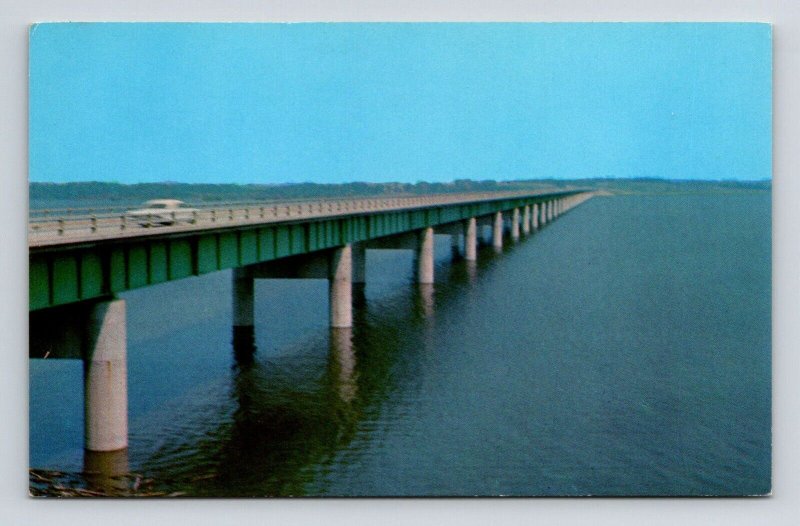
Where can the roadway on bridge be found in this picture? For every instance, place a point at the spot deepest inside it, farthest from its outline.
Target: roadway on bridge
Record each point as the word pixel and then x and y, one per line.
pixel 52 229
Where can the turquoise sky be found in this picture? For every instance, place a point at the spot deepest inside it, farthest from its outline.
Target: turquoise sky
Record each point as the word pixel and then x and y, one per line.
pixel 271 103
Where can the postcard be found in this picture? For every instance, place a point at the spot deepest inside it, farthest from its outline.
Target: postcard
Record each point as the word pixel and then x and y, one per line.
pixel 400 259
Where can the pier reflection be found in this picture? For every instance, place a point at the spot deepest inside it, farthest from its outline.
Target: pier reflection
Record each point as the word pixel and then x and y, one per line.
pixel 471 268
pixel 425 299
pixel 343 363
pixel 105 470
pixel 291 415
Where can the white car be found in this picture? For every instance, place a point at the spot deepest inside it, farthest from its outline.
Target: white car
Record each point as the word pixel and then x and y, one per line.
pixel 162 212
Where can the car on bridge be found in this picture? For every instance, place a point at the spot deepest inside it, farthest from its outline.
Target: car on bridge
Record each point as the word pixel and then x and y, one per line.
pixel 162 212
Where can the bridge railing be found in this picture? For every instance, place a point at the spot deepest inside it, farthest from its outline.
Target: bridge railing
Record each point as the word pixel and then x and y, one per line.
pixel 53 213
pixel 119 223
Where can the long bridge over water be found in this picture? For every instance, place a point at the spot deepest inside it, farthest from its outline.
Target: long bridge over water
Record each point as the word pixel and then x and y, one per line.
pixel 79 263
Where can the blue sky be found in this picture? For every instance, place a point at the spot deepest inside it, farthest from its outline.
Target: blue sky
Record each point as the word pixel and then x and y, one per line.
pixel 274 103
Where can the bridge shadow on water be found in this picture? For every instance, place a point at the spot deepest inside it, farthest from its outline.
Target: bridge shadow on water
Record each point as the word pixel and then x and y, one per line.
pixel 279 419
pixel 284 422
pixel 571 363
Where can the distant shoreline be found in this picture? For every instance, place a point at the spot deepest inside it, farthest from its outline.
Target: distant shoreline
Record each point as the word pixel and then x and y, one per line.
pixel 56 195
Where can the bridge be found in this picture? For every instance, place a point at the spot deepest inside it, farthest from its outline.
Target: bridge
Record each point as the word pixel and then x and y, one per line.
pixel 79 263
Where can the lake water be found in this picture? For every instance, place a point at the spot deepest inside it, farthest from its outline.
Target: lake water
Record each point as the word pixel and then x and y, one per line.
pixel 622 350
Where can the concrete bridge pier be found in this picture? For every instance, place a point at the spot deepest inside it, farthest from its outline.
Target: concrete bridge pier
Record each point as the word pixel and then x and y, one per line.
pixel 549 211
pixel 497 231
pixel 542 214
pixel 535 217
pixel 105 379
pixel 515 224
pixel 471 239
pixel 341 287
pixel 424 256
pixel 526 220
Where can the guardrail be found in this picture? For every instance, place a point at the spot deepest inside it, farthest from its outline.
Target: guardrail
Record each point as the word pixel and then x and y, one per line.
pixel 47 230
pixel 50 213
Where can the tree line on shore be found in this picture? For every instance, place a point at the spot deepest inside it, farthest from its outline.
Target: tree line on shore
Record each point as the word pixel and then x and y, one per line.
pixel 107 192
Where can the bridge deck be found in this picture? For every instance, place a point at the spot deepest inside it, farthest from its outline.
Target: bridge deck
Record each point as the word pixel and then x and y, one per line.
pixel 83 258
pixel 46 230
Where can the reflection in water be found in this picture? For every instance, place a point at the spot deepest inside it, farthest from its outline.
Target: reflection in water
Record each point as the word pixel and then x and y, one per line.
pixel 343 363
pixel 471 268
pixel 105 470
pixel 284 418
pixel 425 299
pixel 287 418
pixel 308 415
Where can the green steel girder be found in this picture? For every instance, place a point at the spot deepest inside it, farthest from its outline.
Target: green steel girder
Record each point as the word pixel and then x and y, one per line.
pixel 68 274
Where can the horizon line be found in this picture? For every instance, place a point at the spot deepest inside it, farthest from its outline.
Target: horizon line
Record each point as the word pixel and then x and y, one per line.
pixel 449 182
